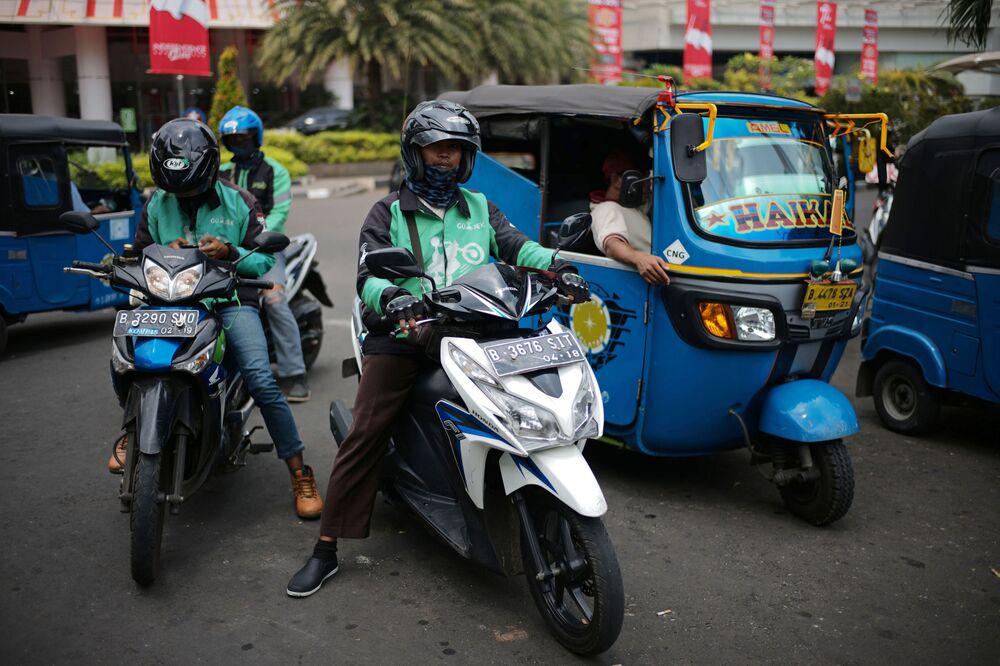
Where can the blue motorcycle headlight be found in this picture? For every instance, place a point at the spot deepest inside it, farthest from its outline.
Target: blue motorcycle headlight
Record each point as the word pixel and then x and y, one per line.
pixel 198 362
pixel 167 288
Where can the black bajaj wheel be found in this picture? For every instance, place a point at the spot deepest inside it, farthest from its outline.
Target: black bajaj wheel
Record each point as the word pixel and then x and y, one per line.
pixel 584 603
pixel 146 519
pixel 828 498
pixel 904 401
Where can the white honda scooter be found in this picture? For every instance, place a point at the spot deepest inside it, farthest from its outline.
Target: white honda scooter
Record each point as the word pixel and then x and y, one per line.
pixel 489 452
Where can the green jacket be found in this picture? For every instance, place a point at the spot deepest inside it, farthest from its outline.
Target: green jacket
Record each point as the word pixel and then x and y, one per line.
pixel 269 183
pixel 229 213
pixel 473 230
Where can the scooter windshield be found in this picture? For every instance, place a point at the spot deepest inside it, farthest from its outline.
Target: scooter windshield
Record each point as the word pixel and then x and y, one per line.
pixel 767 182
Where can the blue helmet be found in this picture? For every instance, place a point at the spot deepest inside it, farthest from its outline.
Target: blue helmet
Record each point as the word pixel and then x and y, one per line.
pixel 240 119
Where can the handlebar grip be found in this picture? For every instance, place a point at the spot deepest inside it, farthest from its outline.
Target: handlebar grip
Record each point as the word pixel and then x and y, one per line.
pixel 90 266
pixel 256 284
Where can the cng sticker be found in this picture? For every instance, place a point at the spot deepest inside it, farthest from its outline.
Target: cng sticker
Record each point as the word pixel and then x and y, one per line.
pixel 676 253
pixel 591 323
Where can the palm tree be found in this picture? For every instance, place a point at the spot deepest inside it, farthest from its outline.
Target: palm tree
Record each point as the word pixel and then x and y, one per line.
pixel 969 21
pixel 390 34
pixel 531 41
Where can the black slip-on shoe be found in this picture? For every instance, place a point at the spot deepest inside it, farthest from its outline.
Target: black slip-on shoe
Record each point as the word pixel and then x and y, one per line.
pixel 311 577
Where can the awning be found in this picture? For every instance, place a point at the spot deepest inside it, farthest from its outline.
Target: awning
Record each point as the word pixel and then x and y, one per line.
pixel 259 14
pixel 974 62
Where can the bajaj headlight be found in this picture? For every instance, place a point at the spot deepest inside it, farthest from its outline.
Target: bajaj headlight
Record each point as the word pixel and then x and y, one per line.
pixel 753 324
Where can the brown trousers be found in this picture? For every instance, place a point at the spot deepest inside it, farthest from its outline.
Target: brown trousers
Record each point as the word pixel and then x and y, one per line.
pixel 386 380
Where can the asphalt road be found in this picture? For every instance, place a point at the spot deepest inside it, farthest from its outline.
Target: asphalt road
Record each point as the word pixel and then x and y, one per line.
pixel 715 569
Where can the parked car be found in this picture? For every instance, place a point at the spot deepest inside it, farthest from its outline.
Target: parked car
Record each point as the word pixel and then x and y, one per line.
pixel 323 118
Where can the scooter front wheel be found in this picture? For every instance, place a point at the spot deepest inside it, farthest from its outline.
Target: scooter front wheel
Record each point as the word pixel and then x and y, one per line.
pixel 146 519
pixel 580 595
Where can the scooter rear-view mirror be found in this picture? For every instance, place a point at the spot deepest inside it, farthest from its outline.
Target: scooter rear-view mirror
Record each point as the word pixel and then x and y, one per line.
pixel 271 241
pixel 79 223
pixel 394 262
pixel 573 229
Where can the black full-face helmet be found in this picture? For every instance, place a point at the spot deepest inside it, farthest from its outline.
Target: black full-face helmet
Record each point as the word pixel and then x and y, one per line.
pixel 184 158
pixel 435 121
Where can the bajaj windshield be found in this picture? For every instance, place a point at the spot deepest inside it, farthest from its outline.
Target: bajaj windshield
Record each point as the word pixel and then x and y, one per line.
pixel 767 182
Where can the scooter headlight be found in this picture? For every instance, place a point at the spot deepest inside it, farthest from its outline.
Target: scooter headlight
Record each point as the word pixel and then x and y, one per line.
pixel 195 364
pixel 525 419
pixel 472 369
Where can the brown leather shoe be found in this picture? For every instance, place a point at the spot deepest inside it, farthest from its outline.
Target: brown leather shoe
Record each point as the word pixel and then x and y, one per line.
pixel 308 503
pixel 116 464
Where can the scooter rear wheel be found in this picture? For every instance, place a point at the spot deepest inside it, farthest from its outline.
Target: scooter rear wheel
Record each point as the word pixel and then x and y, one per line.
pixel 583 603
pixel 146 519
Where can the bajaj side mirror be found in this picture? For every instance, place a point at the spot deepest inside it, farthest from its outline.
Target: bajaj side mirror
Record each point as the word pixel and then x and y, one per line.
pixel 271 241
pixel 630 195
pixel 686 132
pixel 573 229
pixel 79 223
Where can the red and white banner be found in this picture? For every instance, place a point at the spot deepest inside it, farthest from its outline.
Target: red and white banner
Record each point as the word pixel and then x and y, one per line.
pixel 698 40
pixel 826 33
pixel 869 47
pixel 606 37
pixel 178 37
pixel 766 53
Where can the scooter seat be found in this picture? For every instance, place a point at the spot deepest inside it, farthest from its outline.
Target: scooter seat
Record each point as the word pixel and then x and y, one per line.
pixel 294 249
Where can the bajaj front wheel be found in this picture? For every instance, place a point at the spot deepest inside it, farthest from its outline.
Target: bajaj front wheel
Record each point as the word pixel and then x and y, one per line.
pixel 827 498
pixel 580 593
pixel 147 518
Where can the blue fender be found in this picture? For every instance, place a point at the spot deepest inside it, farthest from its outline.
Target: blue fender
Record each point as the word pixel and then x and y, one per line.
pixel 913 344
pixel 807 410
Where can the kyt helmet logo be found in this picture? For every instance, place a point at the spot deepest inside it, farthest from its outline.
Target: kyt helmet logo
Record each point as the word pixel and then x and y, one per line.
pixel 176 164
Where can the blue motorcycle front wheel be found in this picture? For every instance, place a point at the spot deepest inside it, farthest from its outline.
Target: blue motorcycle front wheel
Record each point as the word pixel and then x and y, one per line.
pixel 146 519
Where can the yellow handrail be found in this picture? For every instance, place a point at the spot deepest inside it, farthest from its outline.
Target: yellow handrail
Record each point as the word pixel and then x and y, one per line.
pixel 713 111
pixel 851 117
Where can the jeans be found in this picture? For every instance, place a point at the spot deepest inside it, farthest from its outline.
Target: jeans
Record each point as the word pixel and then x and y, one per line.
pixel 246 342
pixel 284 328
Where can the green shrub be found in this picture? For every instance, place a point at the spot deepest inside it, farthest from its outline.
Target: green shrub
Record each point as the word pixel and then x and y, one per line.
pixel 295 166
pixel 347 146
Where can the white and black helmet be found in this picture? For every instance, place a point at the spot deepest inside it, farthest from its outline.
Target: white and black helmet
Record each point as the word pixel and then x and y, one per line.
pixel 439 120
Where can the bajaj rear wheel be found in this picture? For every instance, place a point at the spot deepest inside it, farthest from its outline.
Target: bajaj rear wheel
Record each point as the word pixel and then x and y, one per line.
pixel 828 498
pixel 147 518
pixel 904 401
pixel 583 603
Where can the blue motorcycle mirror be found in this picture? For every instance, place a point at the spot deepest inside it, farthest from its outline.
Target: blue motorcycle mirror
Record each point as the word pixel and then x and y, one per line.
pixel 79 223
pixel 271 241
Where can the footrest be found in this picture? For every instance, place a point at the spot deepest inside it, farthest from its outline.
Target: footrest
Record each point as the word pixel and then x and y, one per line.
pixel 260 447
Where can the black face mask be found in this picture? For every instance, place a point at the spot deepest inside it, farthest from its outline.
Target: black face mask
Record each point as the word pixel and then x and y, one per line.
pixel 242 146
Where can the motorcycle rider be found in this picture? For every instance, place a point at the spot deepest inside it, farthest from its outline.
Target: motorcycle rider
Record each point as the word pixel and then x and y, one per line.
pixel 451 231
pixel 193 206
pixel 242 133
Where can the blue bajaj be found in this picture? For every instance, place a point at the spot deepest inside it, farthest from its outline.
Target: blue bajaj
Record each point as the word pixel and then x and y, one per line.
pixel 51 166
pixel 934 333
pixel 765 292
pixel 184 408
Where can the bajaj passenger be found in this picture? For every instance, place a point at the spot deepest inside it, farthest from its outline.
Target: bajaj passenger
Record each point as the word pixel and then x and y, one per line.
pixel 194 207
pixel 451 231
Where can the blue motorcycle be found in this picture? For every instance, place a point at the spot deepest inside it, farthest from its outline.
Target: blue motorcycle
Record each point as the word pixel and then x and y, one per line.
pixel 184 407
